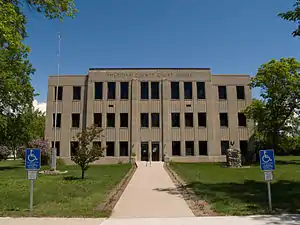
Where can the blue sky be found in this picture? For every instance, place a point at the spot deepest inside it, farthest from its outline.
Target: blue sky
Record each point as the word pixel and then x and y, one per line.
pixel 230 37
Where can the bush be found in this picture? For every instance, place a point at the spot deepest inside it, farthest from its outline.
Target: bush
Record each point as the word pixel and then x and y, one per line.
pixel 41 144
pixel 4 153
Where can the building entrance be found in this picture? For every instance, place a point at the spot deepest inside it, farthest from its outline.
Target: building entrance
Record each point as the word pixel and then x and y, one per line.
pixel 155 151
pixel 144 151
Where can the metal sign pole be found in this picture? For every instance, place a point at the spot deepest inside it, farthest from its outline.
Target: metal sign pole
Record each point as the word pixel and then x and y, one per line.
pixel 269 195
pixel 31 195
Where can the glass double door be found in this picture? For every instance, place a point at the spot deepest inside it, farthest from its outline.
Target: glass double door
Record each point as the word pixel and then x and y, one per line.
pixel 145 151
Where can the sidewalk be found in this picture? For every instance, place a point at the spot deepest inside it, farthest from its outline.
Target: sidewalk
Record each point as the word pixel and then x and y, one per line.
pixel 150 194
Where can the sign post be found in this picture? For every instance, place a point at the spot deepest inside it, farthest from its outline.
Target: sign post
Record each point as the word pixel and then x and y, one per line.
pixel 267 164
pixel 32 165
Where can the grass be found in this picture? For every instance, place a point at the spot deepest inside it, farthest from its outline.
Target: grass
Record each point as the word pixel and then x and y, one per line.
pixel 60 195
pixel 243 191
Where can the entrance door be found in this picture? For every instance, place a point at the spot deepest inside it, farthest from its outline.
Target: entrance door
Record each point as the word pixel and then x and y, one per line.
pixel 144 151
pixel 155 151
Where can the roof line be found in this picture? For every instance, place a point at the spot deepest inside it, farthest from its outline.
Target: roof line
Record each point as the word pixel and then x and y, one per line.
pixel 149 68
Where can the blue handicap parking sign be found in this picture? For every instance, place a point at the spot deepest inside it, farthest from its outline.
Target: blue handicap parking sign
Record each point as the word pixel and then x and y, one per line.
pixel 33 159
pixel 267 160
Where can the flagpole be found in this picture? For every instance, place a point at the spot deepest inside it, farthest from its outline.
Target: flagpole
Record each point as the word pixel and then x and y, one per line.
pixel 54 149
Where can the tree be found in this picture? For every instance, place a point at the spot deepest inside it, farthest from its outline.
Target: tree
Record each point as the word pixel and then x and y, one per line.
pixel 293 16
pixel 277 111
pixel 86 152
pixel 16 91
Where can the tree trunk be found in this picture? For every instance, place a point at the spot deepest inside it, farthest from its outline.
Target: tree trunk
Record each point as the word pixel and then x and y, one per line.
pixel 82 173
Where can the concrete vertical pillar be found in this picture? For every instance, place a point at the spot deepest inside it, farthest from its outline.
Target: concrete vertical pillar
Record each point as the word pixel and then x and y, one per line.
pixel 135 118
pixel 195 118
pixel 182 121
pixel 117 118
pixel 233 116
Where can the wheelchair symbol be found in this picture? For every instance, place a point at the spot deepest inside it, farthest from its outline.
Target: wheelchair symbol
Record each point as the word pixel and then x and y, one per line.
pixel 31 157
pixel 266 158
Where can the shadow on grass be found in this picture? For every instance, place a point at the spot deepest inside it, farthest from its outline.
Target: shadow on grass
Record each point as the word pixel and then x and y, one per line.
pixel 279 219
pixel 246 198
pixel 9 167
pixel 68 178
pixel 288 162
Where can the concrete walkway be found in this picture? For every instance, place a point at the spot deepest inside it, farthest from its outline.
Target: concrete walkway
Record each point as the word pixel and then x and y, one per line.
pixel 150 194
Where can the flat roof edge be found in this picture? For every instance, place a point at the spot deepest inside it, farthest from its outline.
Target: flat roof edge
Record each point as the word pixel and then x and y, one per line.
pixel 149 68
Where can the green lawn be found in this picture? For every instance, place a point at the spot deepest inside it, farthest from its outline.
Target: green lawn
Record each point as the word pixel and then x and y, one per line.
pixel 60 195
pixel 243 191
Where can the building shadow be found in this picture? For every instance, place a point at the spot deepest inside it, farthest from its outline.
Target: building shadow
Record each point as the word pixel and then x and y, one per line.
pixel 69 178
pixel 291 219
pixel 2 168
pixel 288 162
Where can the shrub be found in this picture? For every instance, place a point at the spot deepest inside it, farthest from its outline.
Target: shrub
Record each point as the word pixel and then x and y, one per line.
pixel 41 144
pixel 4 152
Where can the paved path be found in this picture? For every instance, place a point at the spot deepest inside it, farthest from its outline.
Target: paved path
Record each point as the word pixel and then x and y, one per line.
pixel 151 194
pixel 230 220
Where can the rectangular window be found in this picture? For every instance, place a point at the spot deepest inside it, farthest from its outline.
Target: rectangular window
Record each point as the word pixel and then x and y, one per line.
pixel 110 148
pixel 202 147
pixel 244 147
pixel 188 90
pixel 189 148
pixel 224 147
pixel 155 90
pixel 222 92
pixel 242 120
pixel 75 120
pixel 144 120
pixel 155 119
pixel 144 90
pixel 123 148
pixel 58 120
pixel 58 92
pixel 98 119
pixel 77 93
pixel 123 119
pixel 201 90
pixel 124 90
pixel 223 119
pixel 240 92
pixel 189 120
pixel 98 90
pixel 73 147
pixel 175 93
pixel 110 120
pixel 111 90
pixel 176 148
pixel 201 119
pixel 57 146
pixel 175 117
pixel 97 144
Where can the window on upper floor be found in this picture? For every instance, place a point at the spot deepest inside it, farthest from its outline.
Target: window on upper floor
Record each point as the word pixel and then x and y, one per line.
pixel 144 120
pixel 175 119
pixel 223 119
pixel 98 119
pixel 155 90
pixel 98 90
pixel 188 90
pixel 123 119
pixel 76 93
pixel 202 147
pixel 222 92
pixel 110 120
pixel 124 86
pixel 189 120
pixel 58 120
pixel 144 90
pixel 240 92
pixel 175 92
pixel 242 120
pixel 201 90
pixel 111 90
pixel 155 119
pixel 75 120
pixel 201 119
pixel 58 93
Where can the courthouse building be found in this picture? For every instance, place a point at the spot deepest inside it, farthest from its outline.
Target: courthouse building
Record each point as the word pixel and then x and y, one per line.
pixel 187 114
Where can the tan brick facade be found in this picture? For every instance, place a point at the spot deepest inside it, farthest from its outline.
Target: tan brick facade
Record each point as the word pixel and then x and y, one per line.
pixel 179 143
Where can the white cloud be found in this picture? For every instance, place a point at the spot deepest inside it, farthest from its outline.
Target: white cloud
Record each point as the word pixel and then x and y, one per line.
pixel 39 105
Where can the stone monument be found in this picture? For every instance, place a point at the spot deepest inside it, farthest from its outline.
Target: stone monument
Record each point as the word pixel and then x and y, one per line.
pixel 233 156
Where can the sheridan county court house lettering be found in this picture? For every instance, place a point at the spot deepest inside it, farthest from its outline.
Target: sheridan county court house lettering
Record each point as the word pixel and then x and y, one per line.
pixel 187 114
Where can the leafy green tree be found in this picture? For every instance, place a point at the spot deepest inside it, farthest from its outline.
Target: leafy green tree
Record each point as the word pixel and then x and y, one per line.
pixel 86 152
pixel 275 114
pixel 16 91
pixel 293 16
